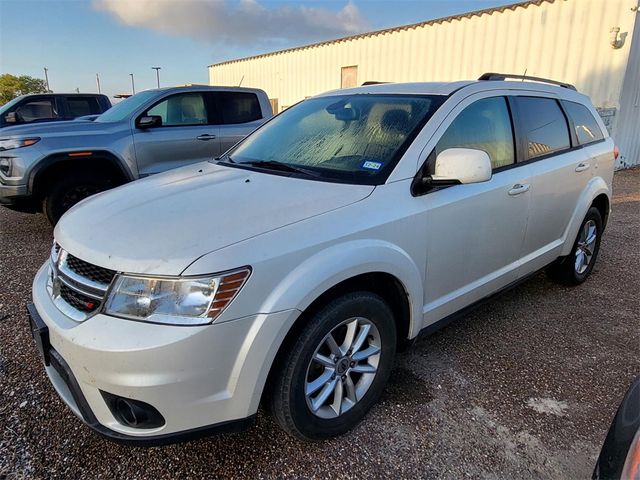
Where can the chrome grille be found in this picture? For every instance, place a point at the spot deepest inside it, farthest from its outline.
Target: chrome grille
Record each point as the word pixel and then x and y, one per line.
pixel 77 288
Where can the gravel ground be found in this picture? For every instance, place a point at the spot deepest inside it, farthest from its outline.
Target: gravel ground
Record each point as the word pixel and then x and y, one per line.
pixel 525 386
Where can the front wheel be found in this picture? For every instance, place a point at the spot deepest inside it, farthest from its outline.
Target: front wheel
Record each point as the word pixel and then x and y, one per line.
pixel 576 267
pixel 64 193
pixel 336 369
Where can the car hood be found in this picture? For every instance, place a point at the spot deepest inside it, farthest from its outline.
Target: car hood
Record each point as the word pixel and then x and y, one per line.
pixel 66 127
pixel 160 225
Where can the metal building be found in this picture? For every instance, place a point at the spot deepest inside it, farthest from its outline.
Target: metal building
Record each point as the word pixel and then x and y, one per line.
pixel 593 44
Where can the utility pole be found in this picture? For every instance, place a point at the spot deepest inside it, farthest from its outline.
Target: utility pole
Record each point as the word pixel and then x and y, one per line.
pixel 133 85
pixel 157 69
pixel 46 78
pixel 98 82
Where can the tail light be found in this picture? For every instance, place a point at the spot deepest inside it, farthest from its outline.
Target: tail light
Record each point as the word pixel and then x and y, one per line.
pixel 616 152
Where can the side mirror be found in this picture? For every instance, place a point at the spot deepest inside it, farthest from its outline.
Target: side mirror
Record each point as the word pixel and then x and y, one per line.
pixel 149 121
pixel 11 117
pixel 462 165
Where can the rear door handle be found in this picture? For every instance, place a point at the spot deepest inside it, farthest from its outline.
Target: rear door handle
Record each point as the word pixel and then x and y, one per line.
pixel 582 166
pixel 519 188
pixel 206 136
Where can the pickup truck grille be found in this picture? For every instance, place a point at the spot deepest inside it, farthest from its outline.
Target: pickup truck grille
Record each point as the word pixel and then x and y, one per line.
pixel 78 288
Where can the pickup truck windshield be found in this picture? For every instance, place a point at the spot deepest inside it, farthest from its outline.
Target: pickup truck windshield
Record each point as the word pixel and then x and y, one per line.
pixel 126 107
pixel 350 138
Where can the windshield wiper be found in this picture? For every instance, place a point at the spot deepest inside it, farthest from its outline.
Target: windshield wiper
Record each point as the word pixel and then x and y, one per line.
pixel 285 167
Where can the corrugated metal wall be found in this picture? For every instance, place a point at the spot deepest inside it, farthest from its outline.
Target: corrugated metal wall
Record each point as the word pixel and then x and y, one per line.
pixel 568 40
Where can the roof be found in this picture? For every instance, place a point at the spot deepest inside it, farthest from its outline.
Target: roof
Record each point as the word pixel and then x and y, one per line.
pixel 415 88
pixel 475 13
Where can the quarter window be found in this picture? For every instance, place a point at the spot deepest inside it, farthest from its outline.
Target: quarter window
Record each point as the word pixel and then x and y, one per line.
pixel 483 125
pixel 587 128
pixel 544 125
pixel 182 109
pixel 239 107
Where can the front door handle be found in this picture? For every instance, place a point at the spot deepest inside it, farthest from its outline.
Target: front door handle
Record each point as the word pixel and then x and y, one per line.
pixel 206 136
pixel 582 166
pixel 519 188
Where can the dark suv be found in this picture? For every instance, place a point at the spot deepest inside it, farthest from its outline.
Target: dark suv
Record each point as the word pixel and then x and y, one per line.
pixel 51 107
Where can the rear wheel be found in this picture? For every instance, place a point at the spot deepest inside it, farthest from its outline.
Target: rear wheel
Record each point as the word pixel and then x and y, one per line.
pixel 576 267
pixel 64 192
pixel 336 369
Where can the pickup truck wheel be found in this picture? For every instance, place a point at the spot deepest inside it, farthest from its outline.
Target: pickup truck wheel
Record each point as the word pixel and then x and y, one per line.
pixel 336 369
pixel 64 193
pixel 576 267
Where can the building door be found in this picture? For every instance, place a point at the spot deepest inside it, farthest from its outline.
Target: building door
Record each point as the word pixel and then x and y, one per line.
pixel 349 77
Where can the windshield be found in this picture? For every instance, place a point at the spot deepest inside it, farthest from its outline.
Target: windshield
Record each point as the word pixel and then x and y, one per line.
pixel 9 104
pixel 349 138
pixel 126 107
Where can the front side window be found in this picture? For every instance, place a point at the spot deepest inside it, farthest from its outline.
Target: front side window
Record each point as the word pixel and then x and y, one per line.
pixel 350 138
pixel 37 110
pixel 483 125
pixel 182 109
pixel 239 107
pixel 543 124
pixel 586 126
pixel 126 107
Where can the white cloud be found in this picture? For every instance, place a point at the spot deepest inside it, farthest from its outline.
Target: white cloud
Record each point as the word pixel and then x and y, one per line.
pixel 243 23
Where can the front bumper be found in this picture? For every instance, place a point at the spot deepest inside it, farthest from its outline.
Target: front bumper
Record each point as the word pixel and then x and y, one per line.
pixel 200 379
pixel 9 193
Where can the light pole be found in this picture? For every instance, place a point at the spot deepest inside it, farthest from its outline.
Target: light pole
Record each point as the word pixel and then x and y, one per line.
pixel 157 69
pixel 133 85
pixel 98 82
pixel 46 78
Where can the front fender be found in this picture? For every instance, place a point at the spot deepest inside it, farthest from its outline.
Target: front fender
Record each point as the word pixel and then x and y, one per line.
pixel 595 187
pixel 330 266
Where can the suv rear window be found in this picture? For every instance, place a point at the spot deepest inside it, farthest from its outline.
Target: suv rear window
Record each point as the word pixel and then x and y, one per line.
pixel 79 106
pixel 587 128
pixel 543 124
pixel 239 107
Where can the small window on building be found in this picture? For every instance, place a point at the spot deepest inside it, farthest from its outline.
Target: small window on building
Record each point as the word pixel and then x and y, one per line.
pixel 587 128
pixel 37 110
pixel 484 125
pixel 182 109
pixel 239 107
pixel 544 125
pixel 79 106
pixel 349 77
pixel 274 105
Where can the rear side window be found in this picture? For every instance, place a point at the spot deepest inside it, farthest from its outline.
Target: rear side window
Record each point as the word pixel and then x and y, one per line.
pixel 483 125
pixel 238 107
pixel 79 106
pixel 543 124
pixel 587 128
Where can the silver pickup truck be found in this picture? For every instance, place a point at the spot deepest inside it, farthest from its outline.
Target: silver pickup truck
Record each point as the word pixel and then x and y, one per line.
pixel 52 167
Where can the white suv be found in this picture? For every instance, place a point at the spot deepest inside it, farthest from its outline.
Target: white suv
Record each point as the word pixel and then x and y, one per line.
pixel 290 271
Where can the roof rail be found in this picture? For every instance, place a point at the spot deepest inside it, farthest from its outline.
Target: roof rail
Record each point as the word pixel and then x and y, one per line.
pixel 504 76
pixel 372 82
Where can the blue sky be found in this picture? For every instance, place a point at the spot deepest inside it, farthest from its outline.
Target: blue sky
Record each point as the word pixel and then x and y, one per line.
pixel 75 39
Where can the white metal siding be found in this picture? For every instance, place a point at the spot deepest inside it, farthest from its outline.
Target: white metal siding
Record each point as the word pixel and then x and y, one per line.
pixel 627 135
pixel 568 40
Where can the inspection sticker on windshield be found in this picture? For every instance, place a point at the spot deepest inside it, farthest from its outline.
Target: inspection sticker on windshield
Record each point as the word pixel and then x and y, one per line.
pixel 369 165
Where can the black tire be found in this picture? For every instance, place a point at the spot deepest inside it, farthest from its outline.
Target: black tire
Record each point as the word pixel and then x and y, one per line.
pixel 65 191
pixel 564 270
pixel 287 401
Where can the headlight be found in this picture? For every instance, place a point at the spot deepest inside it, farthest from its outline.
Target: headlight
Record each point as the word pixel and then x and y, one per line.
pixel 175 301
pixel 11 143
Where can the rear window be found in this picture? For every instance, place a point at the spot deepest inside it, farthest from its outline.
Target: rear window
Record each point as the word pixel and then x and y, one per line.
pixel 239 107
pixel 543 124
pixel 80 106
pixel 587 128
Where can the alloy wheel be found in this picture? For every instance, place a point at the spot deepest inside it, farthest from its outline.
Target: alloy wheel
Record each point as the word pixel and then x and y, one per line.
pixel 343 367
pixel 585 247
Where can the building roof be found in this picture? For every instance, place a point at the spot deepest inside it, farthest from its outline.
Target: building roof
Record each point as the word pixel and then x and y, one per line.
pixel 475 13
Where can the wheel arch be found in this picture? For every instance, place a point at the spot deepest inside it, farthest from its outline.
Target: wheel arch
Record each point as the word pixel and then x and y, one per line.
pixel 99 160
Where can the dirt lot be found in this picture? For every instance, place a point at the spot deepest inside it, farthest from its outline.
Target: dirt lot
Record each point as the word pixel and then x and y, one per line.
pixel 526 386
